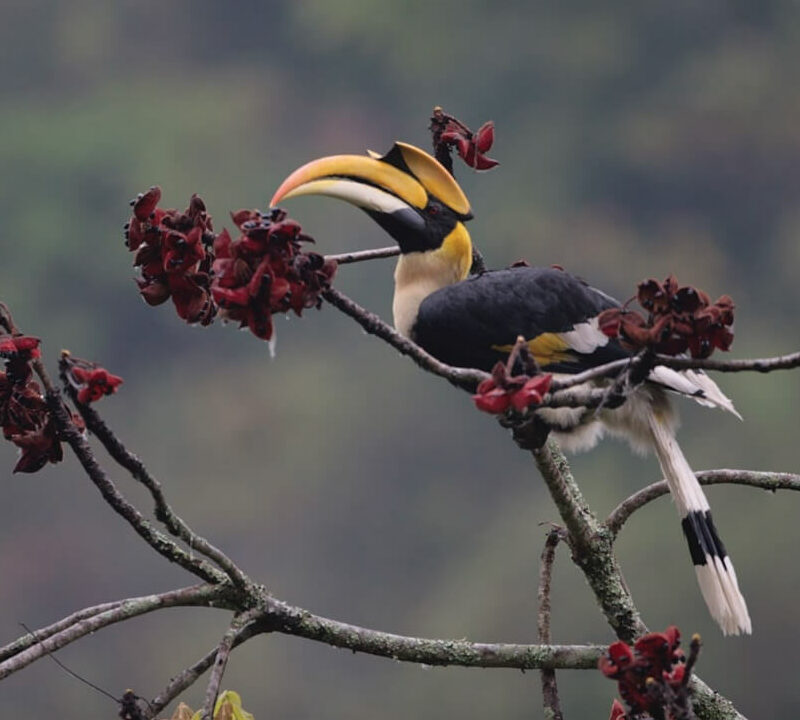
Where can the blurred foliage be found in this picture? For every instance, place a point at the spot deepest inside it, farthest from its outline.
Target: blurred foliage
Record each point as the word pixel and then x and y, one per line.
pixel 635 140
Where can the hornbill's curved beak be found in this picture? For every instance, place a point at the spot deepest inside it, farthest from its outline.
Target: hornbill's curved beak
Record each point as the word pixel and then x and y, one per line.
pixel 408 192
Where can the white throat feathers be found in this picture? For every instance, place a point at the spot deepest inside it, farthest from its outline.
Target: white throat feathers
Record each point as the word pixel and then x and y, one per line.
pixel 418 274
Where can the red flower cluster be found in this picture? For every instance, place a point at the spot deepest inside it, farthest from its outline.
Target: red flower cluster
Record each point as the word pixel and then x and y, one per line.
pixel 680 319
pixel 170 249
pixel 264 271
pixel 90 381
pixel 503 390
pixel 652 676
pixel 19 347
pixel 24 416
pixel 449 132
pixel 261 272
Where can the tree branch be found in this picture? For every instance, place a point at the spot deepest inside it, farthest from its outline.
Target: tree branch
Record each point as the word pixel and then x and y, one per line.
pixel 461 377
pixel 163 511
pixel 465 378
pixel 591 544
pixel 28 640
pixel 562 390
pixel 43 644
pixel 239 622
pixel 280 617
pixel 186 678
pixel 764 480
pixel 268 614
pixel 764 365
pixel 552 704
pixel 361 255
pixel 592 551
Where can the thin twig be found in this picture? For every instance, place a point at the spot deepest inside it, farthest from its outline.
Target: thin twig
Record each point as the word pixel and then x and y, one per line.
pixel 224 649
pixel 182 681
pixel 361 255
pixel 591 544
pixel 552 703
pixel 196 595
pixel 186 678
pixel 163 511
pixel 43 633
pixel 764 480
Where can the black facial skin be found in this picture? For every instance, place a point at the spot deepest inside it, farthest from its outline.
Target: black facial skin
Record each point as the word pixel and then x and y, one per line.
pixel 418 230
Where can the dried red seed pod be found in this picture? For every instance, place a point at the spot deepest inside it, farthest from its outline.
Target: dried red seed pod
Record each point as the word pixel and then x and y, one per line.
pixel 484 138
pixel 617 711
pixel 145 204
pixel 494 401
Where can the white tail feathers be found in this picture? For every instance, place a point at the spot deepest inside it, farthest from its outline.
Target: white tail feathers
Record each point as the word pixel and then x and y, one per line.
pixel 694 384
pixel 715 573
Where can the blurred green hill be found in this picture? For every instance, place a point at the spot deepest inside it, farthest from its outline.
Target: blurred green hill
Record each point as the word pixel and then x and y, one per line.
pixel 635 140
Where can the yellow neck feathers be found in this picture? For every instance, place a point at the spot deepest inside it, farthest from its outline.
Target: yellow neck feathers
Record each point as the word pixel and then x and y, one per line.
pixel 418 274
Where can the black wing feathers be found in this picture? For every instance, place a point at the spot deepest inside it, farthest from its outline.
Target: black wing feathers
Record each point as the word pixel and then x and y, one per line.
pixel 463 324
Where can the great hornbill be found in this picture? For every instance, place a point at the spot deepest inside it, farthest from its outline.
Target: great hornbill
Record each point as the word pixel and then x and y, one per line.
pixel 475 321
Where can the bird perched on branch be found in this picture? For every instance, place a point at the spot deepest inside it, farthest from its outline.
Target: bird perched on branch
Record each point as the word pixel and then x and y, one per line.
pixel 474 321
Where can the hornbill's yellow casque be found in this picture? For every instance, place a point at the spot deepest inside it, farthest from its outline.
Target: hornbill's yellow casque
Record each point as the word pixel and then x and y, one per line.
pixel 474 322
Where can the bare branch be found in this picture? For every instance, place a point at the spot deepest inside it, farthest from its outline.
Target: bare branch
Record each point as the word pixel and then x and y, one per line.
pixel 764 480
pixel 710 705
pixel 43 633
pixel 361 255
pixel 781 362
pixel 422 358
pixel 764 365
pixel 221 659
pixel 464 378
pixel 186 678
pixel 182 681
pixel 461 377
pixel 196 595
pixel 284 618
pixel 269 614
pixel 552 703
pixel 590 543
pixel 163 511
pixel 562 394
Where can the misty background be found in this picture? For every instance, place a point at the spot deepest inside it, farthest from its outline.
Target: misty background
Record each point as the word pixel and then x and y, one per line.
pixel 635 140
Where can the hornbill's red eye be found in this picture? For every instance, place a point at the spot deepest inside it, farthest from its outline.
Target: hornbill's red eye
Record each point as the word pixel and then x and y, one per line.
pixel 433 210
